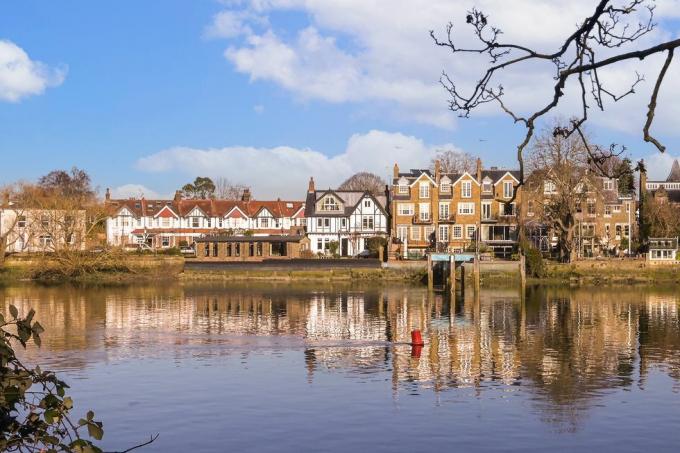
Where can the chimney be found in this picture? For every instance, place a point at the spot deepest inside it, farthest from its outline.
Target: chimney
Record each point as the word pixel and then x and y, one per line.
pixel 437 170
pixel 311 188
pixel 107 196
pixel 395 171
pixel 479 170
pixel 246 195
pixel 178 195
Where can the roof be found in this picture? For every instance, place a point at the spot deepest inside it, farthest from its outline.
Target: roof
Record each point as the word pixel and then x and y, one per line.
pixel 349 198
pixel 674 175
pixel 495 174
pixel 270 238
pixel 212 208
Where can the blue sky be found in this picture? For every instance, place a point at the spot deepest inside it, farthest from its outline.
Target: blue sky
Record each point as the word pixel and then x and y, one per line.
pixel 145 95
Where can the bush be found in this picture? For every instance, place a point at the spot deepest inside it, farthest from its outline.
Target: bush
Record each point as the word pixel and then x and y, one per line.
pixel 534 264
pixel 376 243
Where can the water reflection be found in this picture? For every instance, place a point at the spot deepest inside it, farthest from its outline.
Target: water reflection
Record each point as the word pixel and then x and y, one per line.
pixel 567 347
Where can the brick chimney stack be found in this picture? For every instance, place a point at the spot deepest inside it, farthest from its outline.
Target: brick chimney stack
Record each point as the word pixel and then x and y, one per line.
pixel 178 195
pixel 437 170
pixel 107 196
pixel 311 188
pixel 246 195
pixel 395 171
pixel 479 170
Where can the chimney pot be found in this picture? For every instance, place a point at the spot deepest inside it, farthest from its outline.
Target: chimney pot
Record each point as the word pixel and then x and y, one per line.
pixel 107 197
pixel 311 187
pixel 395 171
pixel 479 170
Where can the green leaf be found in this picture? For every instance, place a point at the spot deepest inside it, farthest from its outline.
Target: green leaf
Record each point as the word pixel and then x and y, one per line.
pixel 90 416
pixel 68 403
pixel 95 430
pixel 13 311
pixel 50 415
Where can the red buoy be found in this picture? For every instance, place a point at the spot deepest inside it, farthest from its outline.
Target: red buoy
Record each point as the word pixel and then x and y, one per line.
pixel 416 338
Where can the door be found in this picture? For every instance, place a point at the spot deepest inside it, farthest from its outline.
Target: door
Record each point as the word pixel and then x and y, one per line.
pixel 344 246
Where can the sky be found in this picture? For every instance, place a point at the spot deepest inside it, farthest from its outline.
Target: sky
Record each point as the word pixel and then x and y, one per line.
pixel 147 95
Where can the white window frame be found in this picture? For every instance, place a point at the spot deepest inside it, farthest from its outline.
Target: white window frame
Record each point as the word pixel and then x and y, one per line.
pixel 457 232
pixel 470 231
pixel 415 233
pixel 424 190
pixel 444 211
pixel 466 189
pixel 424 212
pixel 405 208
pixel 443 235
pixel 466 208
pixel 508 189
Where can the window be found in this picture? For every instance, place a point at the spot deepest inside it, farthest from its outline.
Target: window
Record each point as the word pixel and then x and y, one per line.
pixel 627 207
pixel 195 222
pixel 549 187
pixel 237 249
pixel 466 208
pixel 508 209
pixel 445 186
pixel 319 244
pixel 165 222
pixel 618 231
pixel 424 212
pixel 626 231
pixel 530 208
pixel 607 210
pixel 508 189
pixel 251 249
pixel 607 230
pixel 330 204
pixel 45 240
pixel 486 210
pixel 443 233
pixel 616 208
pixel 487 187
pixel 608 184
pixel 415 233
pixel 466 189
pixel 402 232
pixel 470 231
pixel 165 241
pixel 443 211
pixel 228 249
pixel 220 222
pixel 319 222
pixel 206 249
pixel 343 222
pixel 403 189
pixel 216 248
pixel 428 232
pixel 264 222
pixel 258 250
pixel 405 209
pixel 367 222
pixel 591 209
pixel 327 223
pixel 367 203
pixel 457 231
pixel 208 222
pixel 424 190
pixel 45 221
pixel 21 221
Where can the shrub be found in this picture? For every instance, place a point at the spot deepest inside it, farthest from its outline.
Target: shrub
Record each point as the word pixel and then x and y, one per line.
pixel 534 264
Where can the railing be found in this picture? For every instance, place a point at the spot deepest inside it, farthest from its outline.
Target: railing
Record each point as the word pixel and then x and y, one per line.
pixel 418 220
pixel 447 218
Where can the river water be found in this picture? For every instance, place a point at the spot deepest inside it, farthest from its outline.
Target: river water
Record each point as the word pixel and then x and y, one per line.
pixel 328 368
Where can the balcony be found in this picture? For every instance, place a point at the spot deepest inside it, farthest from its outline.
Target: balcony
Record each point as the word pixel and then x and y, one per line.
pixel 451 218
pixel 422 220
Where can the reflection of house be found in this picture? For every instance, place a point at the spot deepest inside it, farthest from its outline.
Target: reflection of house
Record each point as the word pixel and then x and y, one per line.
pixel 42 230
pixel 250 248
pixel 164 223
pixel 448 208
pixel 347 217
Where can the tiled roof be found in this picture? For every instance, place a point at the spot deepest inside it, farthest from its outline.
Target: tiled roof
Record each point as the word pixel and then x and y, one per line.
pixel 212 208
pixel 349 198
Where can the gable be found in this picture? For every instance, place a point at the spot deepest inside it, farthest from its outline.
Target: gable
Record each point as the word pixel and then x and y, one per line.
pixel 505 178
pixel 196 212
pixel 466 177
pixel 124 212
pixel 166 213
pixel 300 213
pixel 424 176
pixel 264 212
pixel 326 200
pixel 235 213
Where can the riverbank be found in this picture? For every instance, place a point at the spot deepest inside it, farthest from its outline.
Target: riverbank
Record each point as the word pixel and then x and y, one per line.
pixel 615 271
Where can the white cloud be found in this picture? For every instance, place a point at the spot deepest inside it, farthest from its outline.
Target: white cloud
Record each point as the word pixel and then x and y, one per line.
pixel 659 165
pixel 380 53
pixel 20 76
pixel 284 171
pixel 258 108
pixel 135 191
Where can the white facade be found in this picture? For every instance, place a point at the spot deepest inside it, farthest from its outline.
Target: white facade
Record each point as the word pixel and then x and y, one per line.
pixel 42 230
pixel 346 218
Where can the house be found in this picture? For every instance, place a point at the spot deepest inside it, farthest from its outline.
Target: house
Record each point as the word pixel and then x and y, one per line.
pixel 667 190
pixel 604 219
pixel 250 248
pixel 32 229
pixel 449 212
pixel 662 250
pixel 348 218
pixel 167 223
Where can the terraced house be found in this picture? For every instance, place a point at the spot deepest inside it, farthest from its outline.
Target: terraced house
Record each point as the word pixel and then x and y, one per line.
pixel 166 223
pixel 435 210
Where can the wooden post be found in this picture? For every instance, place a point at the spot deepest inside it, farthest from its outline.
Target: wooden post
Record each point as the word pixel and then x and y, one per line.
pixel 430 274
pixel 462 279
pixel 477 273
pixel 452 275
pixel 522 271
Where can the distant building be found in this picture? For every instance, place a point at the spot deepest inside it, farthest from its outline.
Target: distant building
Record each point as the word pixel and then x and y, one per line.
pixel 662 250
pixel 250 248
pixel 41 230
pixel 349 218
pixel 667 190
pixel 166 223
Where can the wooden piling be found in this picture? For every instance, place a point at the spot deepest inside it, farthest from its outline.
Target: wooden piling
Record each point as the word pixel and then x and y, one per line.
pixel 452 275
pixel 462 279
pixel 477 277
pixel 430 274
pixel 522 271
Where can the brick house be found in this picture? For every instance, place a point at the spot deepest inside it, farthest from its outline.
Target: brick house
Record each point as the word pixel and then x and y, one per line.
pixel 250 248
pixel 434 210
pixel 166 223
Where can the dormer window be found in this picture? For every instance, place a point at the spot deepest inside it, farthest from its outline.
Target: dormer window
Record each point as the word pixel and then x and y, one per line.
pixel 403 189
pixel 330 204
pixel 487 187
pixel 549 187
pixel 445 185
pixel 608 184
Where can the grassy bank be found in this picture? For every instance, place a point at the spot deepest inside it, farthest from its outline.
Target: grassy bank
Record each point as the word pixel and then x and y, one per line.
pixel 609 272
pixel 391 274
pixel 130 269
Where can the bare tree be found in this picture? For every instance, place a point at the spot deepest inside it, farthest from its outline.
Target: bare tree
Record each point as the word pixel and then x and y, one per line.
pixel 559 185
pixel 227 190
pixel 452 161
pixel 365 181
pixel 604 38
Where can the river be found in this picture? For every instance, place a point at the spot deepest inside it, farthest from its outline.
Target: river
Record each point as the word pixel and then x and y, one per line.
pixel 328 368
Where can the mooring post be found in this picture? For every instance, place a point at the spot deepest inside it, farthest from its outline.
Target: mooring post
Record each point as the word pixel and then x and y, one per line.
pixel 462 279
pixel 452 274
pixel 430 273
pixel 522 271
pixel 477 273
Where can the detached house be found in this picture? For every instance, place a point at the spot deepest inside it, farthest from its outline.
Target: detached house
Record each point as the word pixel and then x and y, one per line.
pixel 349 218
pixel 165 223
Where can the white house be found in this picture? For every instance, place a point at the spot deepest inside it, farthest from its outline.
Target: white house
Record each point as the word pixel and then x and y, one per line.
pixel 346 217
pixel 166 223
pixel 41 230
